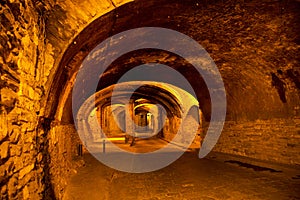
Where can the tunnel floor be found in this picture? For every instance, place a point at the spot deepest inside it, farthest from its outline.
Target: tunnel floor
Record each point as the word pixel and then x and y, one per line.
pixel 218 176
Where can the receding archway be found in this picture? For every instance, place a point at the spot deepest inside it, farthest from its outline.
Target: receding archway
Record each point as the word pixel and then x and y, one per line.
pixel 244 83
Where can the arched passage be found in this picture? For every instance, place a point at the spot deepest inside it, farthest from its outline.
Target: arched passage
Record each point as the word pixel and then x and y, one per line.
pixel 251 92
pixel 171 100
pixel 254 44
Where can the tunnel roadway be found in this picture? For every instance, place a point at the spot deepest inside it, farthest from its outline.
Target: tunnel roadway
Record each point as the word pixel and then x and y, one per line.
pixel 218 176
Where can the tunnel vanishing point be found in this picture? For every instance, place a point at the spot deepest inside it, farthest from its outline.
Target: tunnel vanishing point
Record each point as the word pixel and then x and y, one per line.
pixel 254 44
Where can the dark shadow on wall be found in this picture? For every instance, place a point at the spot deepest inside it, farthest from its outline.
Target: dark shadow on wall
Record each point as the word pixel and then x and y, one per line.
pixel 280 87
pixel 44 125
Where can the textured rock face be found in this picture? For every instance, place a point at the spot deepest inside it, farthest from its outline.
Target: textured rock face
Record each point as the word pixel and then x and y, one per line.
pixel 21 47
pixel 25 58
pixel 254 44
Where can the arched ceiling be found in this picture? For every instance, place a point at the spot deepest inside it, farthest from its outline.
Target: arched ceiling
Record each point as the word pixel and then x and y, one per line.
pixel 174 100
pixel 254 44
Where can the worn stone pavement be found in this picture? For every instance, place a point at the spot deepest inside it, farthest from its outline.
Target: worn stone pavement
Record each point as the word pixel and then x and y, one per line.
pixel 218 176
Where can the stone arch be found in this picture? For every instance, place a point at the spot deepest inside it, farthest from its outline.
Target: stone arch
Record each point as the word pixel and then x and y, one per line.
pixel 109 17
pixel 251 91
pixel 175 101
pixel 64 70
pixel 44 42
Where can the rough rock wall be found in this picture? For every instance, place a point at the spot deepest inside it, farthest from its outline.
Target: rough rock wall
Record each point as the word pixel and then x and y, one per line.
pixel 63 151
pixel 22 165
pixel 26 59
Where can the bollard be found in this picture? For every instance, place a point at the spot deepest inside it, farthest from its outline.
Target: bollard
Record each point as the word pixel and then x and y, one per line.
pixel 103 146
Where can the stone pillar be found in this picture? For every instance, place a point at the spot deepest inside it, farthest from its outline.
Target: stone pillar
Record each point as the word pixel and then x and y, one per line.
pixel 100 119
pixel 129 114
pixel 104 120
pixel 160 122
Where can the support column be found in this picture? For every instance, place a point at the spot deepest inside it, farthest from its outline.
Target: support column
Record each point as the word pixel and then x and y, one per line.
pixel 160 122
pixel 100 120
pixel 129 113
pixel 104 121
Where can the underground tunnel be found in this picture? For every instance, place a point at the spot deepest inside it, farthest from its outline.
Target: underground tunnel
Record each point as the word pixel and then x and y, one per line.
pixel 43 46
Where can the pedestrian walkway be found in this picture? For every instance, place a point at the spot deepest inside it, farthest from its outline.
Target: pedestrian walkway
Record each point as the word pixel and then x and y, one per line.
pixel 218 176
pixel 141 145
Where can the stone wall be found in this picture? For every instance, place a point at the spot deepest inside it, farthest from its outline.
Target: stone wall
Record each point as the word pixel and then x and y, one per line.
pixel 109 125
pixel 28 160
pixel 275 140
pixel 22 167
pixel 63 143
pixel 171 127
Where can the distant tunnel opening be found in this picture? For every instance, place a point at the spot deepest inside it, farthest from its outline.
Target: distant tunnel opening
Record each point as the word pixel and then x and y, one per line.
pixel 155 111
